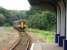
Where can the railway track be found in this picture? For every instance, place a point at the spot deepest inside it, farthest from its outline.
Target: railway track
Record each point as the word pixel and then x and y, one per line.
pixel 23 43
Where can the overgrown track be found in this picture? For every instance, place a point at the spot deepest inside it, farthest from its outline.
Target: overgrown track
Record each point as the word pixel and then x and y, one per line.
pixel 25 42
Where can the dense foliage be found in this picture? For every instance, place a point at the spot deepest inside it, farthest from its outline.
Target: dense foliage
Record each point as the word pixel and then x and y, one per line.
pixel 37 18
pixel 42 19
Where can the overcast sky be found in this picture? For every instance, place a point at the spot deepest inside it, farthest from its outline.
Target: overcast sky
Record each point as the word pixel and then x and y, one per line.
pixel 15 4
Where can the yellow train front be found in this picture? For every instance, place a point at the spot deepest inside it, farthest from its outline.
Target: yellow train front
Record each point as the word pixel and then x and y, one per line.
pixel 20 25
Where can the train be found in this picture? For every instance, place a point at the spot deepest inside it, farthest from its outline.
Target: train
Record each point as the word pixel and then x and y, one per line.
pixel 20 25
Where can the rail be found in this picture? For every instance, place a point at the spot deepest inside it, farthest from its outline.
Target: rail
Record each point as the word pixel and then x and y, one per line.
pixel 17 41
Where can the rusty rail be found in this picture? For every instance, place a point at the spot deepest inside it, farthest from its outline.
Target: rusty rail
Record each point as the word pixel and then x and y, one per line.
pixel 17 41
pixel 14 44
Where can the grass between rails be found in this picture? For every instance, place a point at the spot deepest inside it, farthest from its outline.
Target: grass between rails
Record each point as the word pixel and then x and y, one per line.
pixel 47 36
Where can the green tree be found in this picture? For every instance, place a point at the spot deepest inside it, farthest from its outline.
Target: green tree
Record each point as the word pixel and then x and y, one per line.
pixel 2 19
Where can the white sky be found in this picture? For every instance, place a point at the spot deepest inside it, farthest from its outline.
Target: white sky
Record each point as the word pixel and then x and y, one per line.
pixel 15 4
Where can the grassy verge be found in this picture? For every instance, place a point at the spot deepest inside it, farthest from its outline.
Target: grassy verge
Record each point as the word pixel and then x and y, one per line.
pixel 7 29
pixel 47 36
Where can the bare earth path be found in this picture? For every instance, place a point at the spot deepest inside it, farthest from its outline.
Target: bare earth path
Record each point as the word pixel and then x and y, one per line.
pixel 7 37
